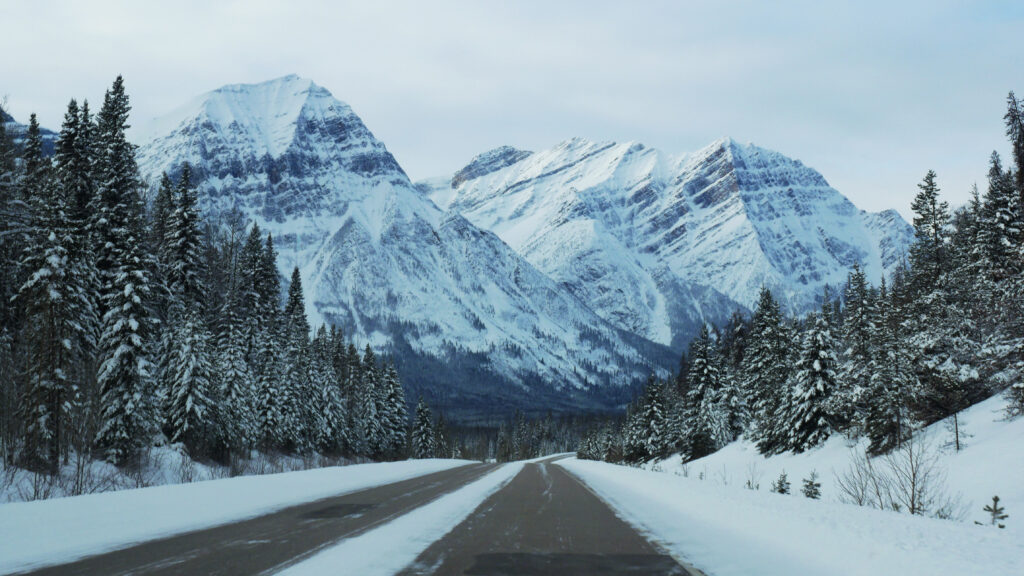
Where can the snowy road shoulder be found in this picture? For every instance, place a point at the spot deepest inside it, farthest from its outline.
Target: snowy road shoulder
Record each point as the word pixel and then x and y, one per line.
pixel 34 534
pixel 727 531
pixel 393 546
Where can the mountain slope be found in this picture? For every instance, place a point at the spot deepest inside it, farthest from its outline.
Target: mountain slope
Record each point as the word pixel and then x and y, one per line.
pixel 657 243
pixel 474 324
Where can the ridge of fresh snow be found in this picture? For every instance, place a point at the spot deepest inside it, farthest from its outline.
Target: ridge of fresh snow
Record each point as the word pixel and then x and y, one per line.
pixel 630 229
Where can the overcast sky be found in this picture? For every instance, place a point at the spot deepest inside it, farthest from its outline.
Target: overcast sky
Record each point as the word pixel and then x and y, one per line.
pixel 870 94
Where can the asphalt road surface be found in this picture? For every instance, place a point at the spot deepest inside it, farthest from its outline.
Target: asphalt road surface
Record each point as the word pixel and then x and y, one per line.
pixel 276 540
pixel 544 522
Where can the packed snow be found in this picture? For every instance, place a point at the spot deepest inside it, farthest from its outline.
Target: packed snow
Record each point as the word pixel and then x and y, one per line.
pixel 47 532
pixel 393 546
pixel 726 530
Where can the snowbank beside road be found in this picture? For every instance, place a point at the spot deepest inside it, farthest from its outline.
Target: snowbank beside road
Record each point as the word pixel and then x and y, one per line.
pixel 47 532
pixel 725 530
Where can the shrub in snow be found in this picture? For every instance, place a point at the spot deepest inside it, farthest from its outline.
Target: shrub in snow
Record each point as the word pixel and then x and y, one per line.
pixel 812 488
pixel 997 512
pixel 781 485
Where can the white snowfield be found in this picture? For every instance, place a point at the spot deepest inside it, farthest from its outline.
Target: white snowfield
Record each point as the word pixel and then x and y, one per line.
pixel 726 530
pixel 395 545
pixel 35 534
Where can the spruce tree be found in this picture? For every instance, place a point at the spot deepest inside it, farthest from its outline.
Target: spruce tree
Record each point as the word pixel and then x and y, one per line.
pixel 928 254
pixel 812 488
pixel 766 371
pixel 423 432
pixel 190 390
pixel 811 417
pixel 124 377
pixel 58 312
pixel 707 423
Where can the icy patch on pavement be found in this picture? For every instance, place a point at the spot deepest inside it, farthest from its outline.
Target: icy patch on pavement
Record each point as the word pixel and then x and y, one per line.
pixel 47 532
pixel 395 545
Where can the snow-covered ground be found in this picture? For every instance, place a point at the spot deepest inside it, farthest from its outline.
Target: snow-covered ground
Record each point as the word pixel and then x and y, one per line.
pixel 48 532
pixel 703 513
pixel 393 546
pixel 990 463
pixel 726 530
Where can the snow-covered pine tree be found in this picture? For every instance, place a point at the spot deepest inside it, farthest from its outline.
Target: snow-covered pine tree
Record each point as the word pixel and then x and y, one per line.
pixel 852 383
pixel 58 312
pixel 766 371
pixel 1000 233
pixel 811 487
pixel 297 395
pixel 781 486
pixel 928 254
pixel 886 422
pixel 124 377
pixel 183 243
pixel 706 420
pixel 652 419
pixel 235 384
pixel 190 399
pixel 811 418
pixel 329 414
pixel 161 219
pixel 268 372
pixel 396 418
pixel 423 432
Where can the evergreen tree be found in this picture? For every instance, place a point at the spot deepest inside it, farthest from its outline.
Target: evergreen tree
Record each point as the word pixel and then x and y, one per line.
pixel 423 432
pixel 57 308
pixel 996 512
pixel 708 427
pixel 124 375
pixel 812 488
pixel 183 243
pixel 851 387
pixel 190 398
pixel 928 254
pixel 781 486
pixel 766 371
pixel 235 385
pixel 892 377
pixel 811 418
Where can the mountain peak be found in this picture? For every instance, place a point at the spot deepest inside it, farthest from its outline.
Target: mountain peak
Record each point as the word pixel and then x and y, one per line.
pixel 490 161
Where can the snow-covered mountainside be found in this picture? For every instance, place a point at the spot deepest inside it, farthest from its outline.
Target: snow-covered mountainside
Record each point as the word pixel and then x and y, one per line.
pixel 472 322
pixel 657 243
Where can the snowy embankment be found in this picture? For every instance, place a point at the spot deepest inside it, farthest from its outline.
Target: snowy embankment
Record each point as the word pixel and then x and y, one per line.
pixel 726 530
pixel 46 532
pixel 990 463
pixel 393 546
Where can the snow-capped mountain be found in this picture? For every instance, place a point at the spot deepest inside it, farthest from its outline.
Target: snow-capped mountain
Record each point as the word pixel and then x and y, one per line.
pixel 472 321
pixel 656 243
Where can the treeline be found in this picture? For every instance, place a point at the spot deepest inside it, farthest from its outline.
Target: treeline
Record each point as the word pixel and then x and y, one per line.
pixel 124 322
pixel 945 331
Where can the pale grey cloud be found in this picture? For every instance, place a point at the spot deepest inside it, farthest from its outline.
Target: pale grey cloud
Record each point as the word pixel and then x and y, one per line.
pixel 872 94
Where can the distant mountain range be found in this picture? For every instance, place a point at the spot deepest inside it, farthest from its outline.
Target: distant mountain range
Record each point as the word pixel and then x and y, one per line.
pixel 555 279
